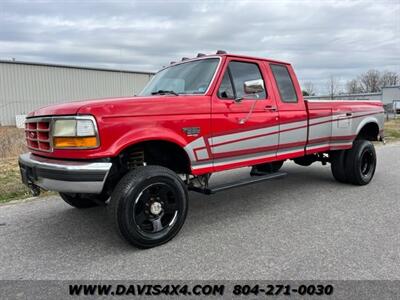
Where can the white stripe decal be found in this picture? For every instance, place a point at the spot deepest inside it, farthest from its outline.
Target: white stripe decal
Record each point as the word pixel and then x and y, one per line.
pixel 263 141
pixel 319 120
pixel 321 127
pixel 202 154
pixel 288 126
pixel 317 146
pixel 249 157
pixel 240 135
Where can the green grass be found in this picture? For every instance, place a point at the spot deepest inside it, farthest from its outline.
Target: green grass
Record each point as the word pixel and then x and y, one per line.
pixel 392 130
pixel 11 187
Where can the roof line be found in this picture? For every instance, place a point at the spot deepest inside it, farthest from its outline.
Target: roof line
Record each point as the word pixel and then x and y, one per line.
pixel 270 60
pixel 72 67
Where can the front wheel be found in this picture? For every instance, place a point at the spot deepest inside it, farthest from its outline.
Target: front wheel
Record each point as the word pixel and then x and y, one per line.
pixel 360 162
pixel 149 206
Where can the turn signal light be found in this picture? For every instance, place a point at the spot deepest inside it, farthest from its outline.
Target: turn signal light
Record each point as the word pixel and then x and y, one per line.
pixel 75 142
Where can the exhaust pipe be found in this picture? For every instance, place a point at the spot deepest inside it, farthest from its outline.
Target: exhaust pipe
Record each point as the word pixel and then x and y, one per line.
pixel 35 190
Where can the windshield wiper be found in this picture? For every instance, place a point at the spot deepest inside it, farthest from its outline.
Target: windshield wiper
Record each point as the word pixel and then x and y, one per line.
pixel 165 92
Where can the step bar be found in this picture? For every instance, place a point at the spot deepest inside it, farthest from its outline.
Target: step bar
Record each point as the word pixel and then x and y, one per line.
pixel 243 182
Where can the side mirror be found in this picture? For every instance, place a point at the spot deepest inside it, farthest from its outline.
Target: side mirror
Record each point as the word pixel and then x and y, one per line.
pixel 253 86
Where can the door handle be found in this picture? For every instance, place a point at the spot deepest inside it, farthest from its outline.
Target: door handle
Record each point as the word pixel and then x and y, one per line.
pixel 270 107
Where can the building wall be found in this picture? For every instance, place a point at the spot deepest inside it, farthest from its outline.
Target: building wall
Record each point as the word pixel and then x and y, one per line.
pixel 25 87
pixel 369 96
pixel 390 94
pixel 387 95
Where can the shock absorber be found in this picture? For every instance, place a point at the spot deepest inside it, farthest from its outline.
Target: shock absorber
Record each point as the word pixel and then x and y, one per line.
pixel 135 159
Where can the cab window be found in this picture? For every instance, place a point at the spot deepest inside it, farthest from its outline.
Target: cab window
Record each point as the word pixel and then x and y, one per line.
pixel 232 85
pixel 284 83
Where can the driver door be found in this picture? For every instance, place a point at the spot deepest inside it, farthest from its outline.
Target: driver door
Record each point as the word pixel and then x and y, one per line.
pixel 244 126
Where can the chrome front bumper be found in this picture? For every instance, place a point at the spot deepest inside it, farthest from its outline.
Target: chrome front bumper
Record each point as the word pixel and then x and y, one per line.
pixel 63 175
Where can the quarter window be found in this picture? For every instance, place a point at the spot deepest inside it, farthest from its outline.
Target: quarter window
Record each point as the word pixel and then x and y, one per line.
pixel 226 89
pixel 285 83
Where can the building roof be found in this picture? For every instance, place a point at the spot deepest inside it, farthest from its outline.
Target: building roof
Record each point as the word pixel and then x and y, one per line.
pixel 72 67
pixel 391 87
pixel 346 95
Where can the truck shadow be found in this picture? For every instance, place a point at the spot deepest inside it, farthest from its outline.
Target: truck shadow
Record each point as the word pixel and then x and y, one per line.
pixel 92 229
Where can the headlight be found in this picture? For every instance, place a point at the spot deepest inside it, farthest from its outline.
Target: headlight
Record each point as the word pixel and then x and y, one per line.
pixel 77 132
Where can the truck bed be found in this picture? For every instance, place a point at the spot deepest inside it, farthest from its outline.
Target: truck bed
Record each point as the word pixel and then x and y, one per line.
pixel 333 125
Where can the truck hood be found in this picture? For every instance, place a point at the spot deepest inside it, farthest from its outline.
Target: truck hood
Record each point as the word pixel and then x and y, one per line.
pixel 72 108
pixel 123 106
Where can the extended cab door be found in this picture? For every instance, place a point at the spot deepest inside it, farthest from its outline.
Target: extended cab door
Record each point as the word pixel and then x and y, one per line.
pixel 292 111
pixel 244 131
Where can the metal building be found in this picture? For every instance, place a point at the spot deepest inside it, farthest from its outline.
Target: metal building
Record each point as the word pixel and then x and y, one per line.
pixel 25 86
pixel 387 95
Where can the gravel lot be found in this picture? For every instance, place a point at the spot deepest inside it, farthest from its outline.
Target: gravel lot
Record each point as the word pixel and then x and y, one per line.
pixel 306 226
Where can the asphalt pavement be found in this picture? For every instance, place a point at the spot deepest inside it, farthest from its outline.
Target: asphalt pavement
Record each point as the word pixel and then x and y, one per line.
pixel 305 226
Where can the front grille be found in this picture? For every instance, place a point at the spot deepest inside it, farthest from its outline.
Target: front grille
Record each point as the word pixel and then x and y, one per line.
pixel 37 134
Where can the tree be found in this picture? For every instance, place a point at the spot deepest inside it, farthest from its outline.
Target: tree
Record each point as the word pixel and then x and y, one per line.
pixel 308 88
pixel 389 78
pixel 353 86
pixel 370 81
pixel 333 86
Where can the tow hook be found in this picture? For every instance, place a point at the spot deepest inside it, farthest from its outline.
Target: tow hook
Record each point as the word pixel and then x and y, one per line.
pixel 35 190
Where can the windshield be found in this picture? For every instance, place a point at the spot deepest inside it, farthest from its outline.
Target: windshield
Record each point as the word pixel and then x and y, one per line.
pixel 192 77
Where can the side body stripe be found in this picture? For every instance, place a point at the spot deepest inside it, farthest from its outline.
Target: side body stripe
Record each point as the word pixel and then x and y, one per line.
pixel 325 133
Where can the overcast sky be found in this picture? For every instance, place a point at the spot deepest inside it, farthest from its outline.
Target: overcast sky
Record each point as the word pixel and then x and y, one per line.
pixel 319 38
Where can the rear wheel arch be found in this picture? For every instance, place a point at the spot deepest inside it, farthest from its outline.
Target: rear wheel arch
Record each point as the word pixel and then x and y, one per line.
pixel 368 131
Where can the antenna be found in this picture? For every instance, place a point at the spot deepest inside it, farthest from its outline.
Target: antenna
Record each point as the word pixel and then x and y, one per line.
pixel 200 54
pixel 221 52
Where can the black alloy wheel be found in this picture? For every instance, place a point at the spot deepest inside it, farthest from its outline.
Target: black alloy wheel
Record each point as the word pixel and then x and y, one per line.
pixel 360 162
pixel 149 206
pixel 155 209
pixel 367 162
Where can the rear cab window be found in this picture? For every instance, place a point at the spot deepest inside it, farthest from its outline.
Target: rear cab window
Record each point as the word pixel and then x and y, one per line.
pixel 284 83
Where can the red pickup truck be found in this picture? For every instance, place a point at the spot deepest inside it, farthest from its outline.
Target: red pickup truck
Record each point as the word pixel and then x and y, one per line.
pixel 140 155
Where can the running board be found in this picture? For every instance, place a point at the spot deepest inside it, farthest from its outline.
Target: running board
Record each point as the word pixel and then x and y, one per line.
pixel 243 182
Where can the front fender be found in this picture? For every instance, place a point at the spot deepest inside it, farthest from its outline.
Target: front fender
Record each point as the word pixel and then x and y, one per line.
pixel 145 134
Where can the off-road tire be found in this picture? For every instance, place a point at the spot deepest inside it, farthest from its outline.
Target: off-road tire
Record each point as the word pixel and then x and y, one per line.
pixel 125 197
pixel 360 162
pixel 338 159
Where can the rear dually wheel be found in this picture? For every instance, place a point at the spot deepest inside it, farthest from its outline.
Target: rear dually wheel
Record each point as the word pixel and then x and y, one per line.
pixel 360 162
